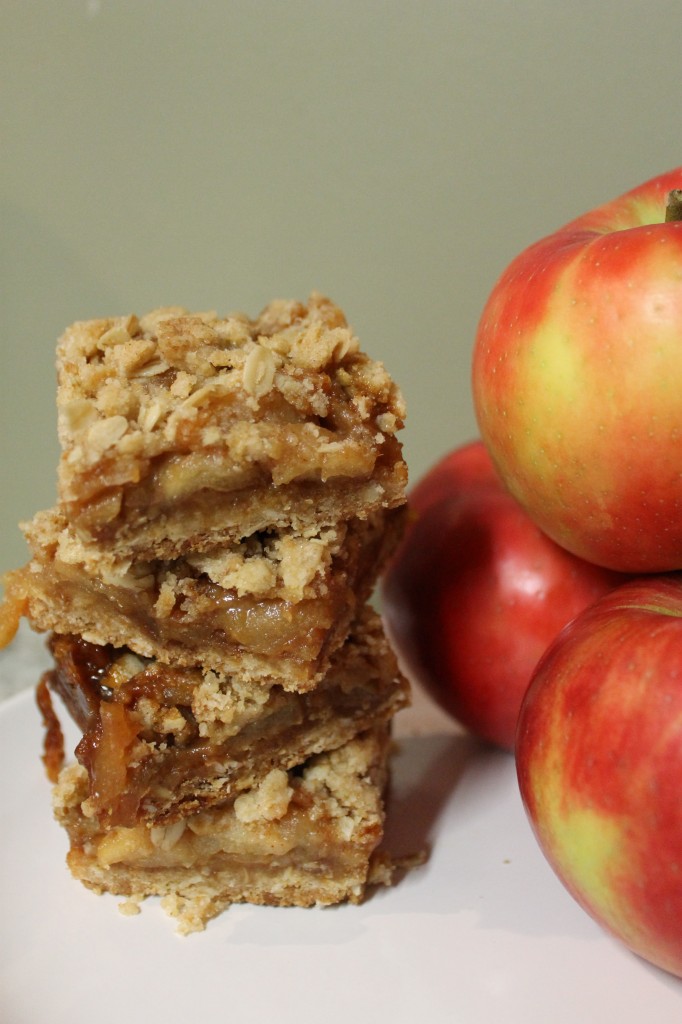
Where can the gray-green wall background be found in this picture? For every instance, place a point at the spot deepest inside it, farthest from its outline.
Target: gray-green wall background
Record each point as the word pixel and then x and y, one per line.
pixel 217 154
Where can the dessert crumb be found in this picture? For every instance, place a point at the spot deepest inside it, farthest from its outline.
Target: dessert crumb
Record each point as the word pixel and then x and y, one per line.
pixel 129 908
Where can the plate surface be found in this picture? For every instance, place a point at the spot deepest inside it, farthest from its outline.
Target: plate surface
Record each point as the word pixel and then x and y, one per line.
pixel 482 933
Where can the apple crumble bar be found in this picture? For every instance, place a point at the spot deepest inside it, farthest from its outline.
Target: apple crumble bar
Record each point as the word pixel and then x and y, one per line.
pixel 300 838
pixel 229 490
pixel 274 606
pixel 180 431
pixel 159 743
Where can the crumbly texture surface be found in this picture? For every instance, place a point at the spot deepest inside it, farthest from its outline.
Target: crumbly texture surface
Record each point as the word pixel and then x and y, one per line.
pixel 302 838
pixel 182 430
pixel 273 607
pixel 159 743
pixel 229 489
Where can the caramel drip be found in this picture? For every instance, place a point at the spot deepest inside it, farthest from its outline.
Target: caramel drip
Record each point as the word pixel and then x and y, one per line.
pixel 53 743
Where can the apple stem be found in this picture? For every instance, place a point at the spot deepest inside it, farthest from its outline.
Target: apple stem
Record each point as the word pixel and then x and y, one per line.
pixel 673 209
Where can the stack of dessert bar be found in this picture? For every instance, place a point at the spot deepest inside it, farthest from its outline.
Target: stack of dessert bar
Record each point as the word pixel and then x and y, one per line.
pixel 229 490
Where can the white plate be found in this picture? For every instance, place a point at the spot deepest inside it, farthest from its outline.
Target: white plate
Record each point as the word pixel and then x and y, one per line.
pixel 482 933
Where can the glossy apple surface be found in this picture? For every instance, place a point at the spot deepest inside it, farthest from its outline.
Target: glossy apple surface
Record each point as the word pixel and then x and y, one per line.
pixel 577 381
pixel 599 758
pixel 476 593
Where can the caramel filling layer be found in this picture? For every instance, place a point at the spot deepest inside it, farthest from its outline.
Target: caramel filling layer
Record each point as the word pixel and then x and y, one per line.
pixel 159 743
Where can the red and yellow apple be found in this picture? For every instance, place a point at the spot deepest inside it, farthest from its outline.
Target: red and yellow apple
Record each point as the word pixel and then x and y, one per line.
pixel 577 381
pixel 599 760
pixel 476 593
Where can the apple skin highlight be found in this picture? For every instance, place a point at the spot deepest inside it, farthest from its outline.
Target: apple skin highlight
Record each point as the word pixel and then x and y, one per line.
pixel 477 592
pixel 576 377
pixel 599 763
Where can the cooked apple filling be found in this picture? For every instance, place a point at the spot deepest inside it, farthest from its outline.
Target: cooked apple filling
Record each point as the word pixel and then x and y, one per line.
pixel 275 606
pixel 159 742
pixel 300 838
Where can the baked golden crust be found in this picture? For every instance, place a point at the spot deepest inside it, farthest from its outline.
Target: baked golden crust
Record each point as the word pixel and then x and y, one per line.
pixel 302 838
pixel 158 742
pixel 273 607
pixel 180 431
